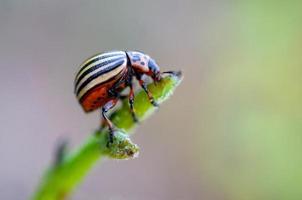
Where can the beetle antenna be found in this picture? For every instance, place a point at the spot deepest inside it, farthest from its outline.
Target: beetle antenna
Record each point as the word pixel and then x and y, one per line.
pixel 176 73
pixel 168 72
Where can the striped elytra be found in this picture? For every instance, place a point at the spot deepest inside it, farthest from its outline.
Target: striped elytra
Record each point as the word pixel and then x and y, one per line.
pixel 96 75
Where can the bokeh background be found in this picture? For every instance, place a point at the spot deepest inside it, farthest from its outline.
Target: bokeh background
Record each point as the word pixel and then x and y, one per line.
pixel 231 131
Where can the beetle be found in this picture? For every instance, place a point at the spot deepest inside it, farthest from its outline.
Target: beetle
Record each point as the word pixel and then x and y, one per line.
pixel 102 77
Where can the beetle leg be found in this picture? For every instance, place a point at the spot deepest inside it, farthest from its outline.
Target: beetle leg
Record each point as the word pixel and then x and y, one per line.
pixel 131 97
pixel 150 96
pixel 117 95
pixel 106 120
pixel 131 101
pixel 114 94
pixel 122 97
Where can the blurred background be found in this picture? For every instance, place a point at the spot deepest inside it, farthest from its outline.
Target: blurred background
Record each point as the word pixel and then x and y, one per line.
pixel 231 131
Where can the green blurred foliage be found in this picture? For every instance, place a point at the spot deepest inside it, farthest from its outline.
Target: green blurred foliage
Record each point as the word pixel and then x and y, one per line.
pixel 251 132
pixel 62 178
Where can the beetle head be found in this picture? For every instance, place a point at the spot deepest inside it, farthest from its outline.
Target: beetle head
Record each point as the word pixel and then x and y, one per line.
pixel 154 70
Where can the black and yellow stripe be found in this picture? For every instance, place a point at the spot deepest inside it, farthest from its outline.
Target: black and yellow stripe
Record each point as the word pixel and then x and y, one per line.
pixel 97 70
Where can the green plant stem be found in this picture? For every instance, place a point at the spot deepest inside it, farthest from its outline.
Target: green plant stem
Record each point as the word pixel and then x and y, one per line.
pixel 61 178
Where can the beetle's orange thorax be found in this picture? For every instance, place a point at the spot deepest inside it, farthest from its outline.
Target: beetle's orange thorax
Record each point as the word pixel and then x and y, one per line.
pixel 139 61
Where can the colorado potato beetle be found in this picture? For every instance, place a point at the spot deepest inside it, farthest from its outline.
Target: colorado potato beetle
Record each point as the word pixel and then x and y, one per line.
pixel 102 77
